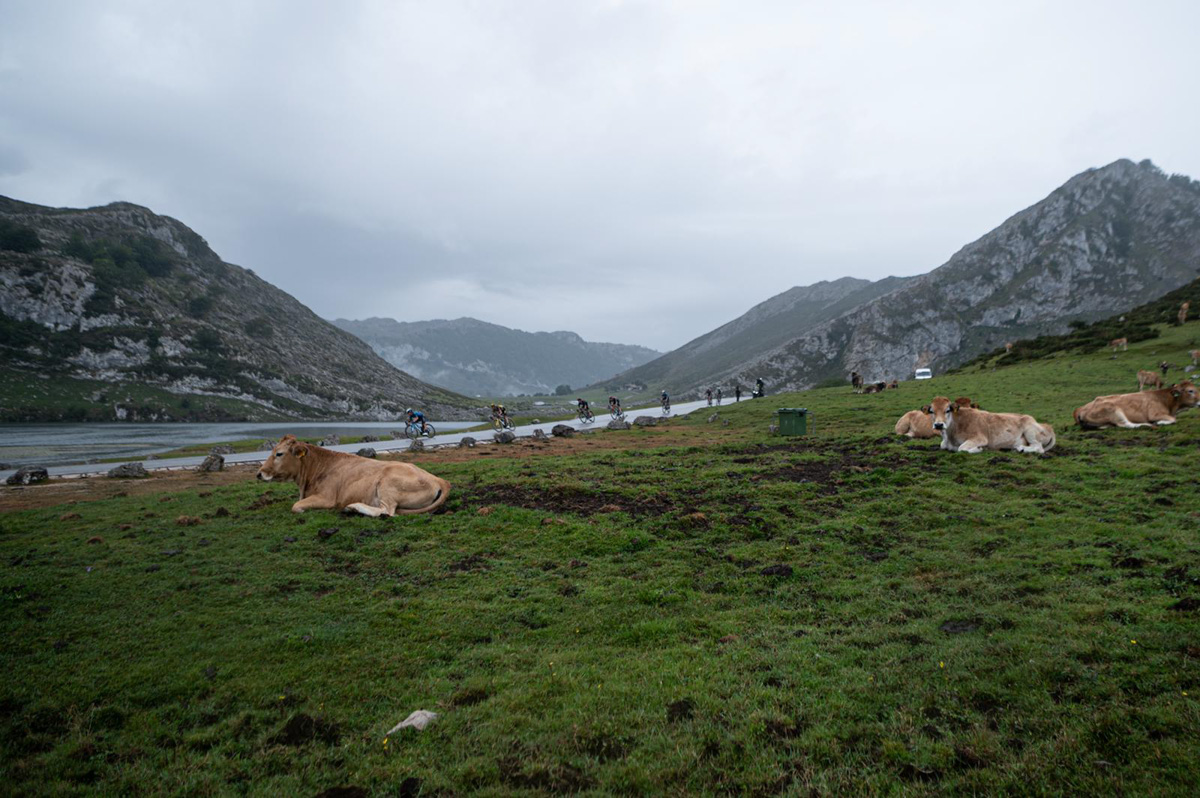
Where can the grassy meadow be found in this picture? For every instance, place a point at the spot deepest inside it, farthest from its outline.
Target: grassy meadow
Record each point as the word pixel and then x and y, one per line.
pixel 694 608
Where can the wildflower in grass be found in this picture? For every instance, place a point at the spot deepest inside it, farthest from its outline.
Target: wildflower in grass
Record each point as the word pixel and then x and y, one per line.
pixel 1133 641
pixel 941 664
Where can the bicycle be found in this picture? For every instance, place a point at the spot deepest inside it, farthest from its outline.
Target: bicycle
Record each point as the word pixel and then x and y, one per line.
pixel 413 430
pixel 585 415
pixel 666 407
pixel 616 412
pixel 503 422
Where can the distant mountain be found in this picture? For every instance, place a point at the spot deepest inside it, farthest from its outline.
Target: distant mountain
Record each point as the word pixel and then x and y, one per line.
pixel 1106 240
pixel 118 313
pixel 765 326
pixel 478 358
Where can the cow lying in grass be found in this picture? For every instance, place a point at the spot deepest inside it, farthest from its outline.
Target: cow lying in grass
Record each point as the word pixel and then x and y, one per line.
pixel 331 480
pixel 916 424
pixel 1142 409
pixel 919 423
pixel 965 429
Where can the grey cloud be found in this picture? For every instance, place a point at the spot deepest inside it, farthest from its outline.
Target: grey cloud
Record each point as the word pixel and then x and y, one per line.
pixel 635 172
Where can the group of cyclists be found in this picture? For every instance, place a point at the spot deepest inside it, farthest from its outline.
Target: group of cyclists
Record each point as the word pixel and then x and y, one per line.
pixel 417 425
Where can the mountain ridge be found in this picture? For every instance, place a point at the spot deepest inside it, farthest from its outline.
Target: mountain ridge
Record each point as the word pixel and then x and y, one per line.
pixel 479 357
pixel 118 295
pixel 1108 238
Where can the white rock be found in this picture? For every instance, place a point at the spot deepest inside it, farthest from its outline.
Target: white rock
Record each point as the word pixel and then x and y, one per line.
pixel 417 720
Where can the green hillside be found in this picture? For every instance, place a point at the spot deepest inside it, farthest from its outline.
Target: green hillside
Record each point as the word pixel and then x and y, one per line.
pixel 693 608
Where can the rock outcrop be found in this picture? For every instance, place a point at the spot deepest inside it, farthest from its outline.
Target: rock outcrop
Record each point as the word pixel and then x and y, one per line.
pixel 124 298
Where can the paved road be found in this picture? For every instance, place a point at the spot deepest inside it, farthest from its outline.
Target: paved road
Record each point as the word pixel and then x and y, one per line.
pixel 379 446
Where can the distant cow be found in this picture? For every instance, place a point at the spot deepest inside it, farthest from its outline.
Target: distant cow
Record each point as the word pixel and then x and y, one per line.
pixel 916 424
pixel 331 480
pixel 1148 378
pixel 1008 347
pixel 872 388
pixel 1165 366
pixel 1195 356
pixel 968 430
pixel 894 384
pixel 1183 312
pixel 856 381
pixel 1142 409
pixel 1119 343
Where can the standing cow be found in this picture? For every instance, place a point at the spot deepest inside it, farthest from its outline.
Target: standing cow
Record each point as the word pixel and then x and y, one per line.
pixel 1148 378
pixel 1183 312
pixel 856 381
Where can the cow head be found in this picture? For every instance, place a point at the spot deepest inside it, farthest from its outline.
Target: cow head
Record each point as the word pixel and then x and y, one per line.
pixel 942 411
pixel 965 401
pixel 285 461
pixel 1186 394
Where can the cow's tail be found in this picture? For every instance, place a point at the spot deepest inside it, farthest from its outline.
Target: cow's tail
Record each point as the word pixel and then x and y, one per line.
pixel 438 500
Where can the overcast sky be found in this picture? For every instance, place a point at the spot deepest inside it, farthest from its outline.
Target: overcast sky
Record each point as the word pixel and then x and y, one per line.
pixel 637 172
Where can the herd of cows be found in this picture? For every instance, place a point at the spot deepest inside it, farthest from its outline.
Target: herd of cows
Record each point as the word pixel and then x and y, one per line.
pixel 332 480
pixel 965 427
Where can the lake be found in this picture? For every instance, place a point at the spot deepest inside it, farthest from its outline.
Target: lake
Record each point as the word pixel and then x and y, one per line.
pixel 60 444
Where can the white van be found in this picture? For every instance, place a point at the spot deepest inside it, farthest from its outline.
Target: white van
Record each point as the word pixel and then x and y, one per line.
pixel 924 374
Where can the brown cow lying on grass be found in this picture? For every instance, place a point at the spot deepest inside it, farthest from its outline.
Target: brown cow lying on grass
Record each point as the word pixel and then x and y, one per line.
pixel 1142 409
pixel 916 424
pixel 968 430
pixel 919 423
pixel 331 480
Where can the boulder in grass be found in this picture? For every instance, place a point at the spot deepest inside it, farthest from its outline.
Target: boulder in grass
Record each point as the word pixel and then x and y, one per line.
pixel 128 471
pixel 417 720
pixel 539 435
pixel 214 462
pixel 466 443
pixel 221 448
pixel 370 438
pixel 417 446
pixel 366 451
pixel 618 423
pixel 331 440
pixel 266 446
pixel 28 475
pixel 505 436
pixel 645 421
pixel 562 431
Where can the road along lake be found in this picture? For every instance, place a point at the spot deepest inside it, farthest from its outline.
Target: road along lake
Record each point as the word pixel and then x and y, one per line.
pixel 61 444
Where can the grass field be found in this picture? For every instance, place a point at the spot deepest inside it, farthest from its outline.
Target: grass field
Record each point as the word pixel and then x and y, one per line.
pixel 692 608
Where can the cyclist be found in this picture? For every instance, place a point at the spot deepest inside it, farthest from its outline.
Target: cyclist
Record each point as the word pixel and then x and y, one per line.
pixel 614 405
pixel 708 396
pixel 760 392
pixel 415 416
pixel 665 400
pixel 718 396
pixel 584 409
pixel 499 414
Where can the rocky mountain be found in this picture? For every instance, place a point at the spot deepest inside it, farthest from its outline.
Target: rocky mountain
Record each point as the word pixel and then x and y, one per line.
pixel 482 359
pixel 1106 240
pixel 765 326
pixel 116 312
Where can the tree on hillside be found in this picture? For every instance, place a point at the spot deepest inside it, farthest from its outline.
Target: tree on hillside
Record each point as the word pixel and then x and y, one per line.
pixel 562 390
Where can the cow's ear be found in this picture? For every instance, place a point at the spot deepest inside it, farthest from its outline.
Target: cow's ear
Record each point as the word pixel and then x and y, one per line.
pixel 954 407
pixel 301 451
pixel 926 409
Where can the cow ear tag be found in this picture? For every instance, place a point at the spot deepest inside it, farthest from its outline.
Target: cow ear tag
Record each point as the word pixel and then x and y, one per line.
pixel 301 452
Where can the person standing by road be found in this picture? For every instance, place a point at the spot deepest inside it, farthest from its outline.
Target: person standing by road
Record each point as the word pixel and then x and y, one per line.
pixel 737 393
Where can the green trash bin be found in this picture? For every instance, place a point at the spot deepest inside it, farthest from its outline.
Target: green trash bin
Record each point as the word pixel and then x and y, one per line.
pixel 793 421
